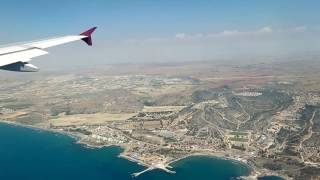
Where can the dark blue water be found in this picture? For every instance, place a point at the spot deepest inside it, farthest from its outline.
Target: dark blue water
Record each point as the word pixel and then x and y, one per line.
pixel 270 178
pixel 36 155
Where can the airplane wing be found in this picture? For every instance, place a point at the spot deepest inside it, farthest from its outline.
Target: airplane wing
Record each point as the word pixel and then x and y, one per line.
pixel 17 57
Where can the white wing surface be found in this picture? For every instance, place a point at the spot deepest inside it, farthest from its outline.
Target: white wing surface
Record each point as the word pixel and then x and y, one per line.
pixel 16 57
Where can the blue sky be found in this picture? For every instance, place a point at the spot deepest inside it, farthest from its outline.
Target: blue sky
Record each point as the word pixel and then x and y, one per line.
pixel 143 18
pixel 288 22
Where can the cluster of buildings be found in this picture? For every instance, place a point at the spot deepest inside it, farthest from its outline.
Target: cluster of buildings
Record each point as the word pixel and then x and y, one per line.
pixel 248 94
pixel 4 111
pixel 102 135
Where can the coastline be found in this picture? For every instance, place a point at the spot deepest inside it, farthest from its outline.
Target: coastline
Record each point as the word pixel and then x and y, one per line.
pixel 254 173
pixel 133 160
pixel 74 136
pixel 220 155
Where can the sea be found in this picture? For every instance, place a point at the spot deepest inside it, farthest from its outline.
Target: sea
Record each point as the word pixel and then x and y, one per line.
pixel 32 154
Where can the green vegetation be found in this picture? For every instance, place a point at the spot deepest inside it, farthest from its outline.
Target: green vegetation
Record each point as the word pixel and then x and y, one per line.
pixel 237 133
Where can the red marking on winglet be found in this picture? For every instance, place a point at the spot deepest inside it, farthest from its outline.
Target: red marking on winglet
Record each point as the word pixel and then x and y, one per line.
pixel 88 33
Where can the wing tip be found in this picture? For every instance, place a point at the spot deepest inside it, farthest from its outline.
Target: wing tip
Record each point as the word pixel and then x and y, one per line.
pixel 88 33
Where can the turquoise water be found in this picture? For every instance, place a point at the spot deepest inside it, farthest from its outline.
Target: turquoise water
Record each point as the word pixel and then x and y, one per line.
pixel 36 155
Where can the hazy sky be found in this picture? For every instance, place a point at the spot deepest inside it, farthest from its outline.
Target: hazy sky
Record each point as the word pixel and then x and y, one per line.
pixel 165 30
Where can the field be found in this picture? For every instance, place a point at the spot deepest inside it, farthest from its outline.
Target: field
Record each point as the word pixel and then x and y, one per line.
pixel 89 119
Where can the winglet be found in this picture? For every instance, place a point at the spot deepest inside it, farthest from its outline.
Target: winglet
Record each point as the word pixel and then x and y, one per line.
pixel 88 33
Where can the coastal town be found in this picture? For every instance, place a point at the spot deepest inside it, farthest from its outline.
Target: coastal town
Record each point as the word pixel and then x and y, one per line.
pixel 268 123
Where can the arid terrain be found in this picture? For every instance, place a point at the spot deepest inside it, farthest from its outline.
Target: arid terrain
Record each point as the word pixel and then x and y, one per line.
pixel 266 115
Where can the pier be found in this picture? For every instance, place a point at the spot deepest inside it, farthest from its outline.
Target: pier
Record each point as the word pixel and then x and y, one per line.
pixel 155 166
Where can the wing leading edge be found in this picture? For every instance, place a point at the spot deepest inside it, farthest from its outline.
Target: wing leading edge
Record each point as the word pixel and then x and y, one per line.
pixel 16 58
